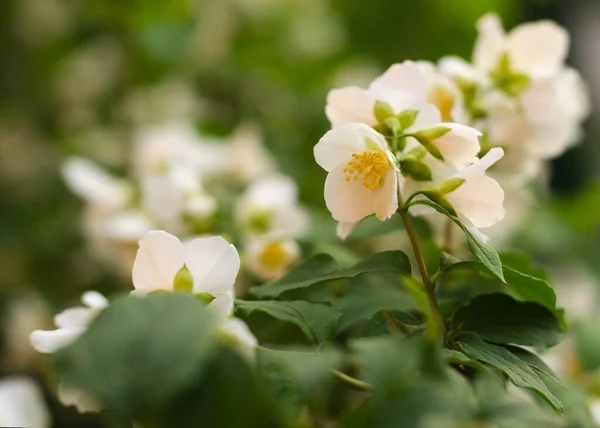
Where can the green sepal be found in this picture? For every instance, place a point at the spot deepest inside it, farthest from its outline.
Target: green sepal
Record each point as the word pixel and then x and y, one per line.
pixel 418 171
pixel 204 297
pixel 407 118
pixel 382 111
pixel 438 197
pixel 393 125
pixel 508 80
pixel 417 152
pixel 427 136
pixel 450 184
pixel 183 280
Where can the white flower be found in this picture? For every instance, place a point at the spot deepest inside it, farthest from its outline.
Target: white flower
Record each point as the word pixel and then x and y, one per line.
pixel 93 184
pixel 270 258
pixel 362 177
pixel 443 93
pixel 236 332
pixel 402 86
pixel 535 49
pixel 83 401
pixel 71 324
pixel 247 158
pixel 478 201
pixel 22 404
pixel 595 410
pixel 270 205
pixel 213 264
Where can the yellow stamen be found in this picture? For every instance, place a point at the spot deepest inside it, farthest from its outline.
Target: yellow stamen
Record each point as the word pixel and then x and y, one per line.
pixel 443 99
pixel 372 164
pixel 274 255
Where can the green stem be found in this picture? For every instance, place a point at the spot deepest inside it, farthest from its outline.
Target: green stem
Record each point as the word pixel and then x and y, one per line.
pixel 429 286
pixel 353 383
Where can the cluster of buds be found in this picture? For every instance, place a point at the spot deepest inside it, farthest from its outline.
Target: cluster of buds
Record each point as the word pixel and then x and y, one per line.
pixel 422 130
pixel 192 186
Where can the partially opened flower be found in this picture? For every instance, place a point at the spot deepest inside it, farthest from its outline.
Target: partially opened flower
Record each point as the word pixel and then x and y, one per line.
pixel 402 86
pixel 71 324
pixel 362 176
pixel 203 265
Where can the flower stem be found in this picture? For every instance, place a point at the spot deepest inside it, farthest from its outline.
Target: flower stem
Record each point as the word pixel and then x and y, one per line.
pixel 429 286
pixel 353 383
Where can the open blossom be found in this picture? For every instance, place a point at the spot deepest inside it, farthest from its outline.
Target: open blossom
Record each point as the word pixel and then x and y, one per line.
pixel 212 263
pixel 362 176
pixel 270 257
pixel 270 205
pixel 535 49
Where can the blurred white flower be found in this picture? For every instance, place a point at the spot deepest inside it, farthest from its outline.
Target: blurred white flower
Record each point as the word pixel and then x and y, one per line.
pixel 247 157
pixel 594 406
pixel 443 93
pixel 235 332
pixel 270 257
pixel 362 176
pixel 83 401
pixel 71 324
pixel 270 205
pixel 536 49
pixel 22 404
pixel 211 266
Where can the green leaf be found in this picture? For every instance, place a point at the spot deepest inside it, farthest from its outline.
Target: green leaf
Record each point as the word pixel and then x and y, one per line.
pixel 533 361
pixel 322 267
pixel 385 322
pixel 499 318
pixel 484 253
pixel 452 356
pixel 316 320
pixel 136 344
pixel 517 370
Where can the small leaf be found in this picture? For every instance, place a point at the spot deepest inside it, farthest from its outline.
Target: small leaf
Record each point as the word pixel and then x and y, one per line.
pixel 322 267
pixel 535 362
pixel 316 320
pixel 484 253
pixel 499 318
pixel 517 370
pixel 385 322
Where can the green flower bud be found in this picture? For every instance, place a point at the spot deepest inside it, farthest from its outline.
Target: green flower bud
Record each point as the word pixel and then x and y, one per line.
pixel 426 137
pixel 450 184
pixel 412 167
pixel 183 280
pixel 382 111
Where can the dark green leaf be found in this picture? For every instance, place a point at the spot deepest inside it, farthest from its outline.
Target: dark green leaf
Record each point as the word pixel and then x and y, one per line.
pixel 322 267
pixel 316 320
pixel 135 345
pixel 484 253
pixel 517 370
pixel 534 362
pixel 501 319
pixel 385 322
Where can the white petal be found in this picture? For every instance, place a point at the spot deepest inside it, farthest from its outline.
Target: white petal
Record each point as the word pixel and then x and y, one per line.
pixel 460 146
pixel 350 105
pixel 427 117
pixel 272 191
pixel 22 404
pixel 403 86
pixel 94 300
pixel 213 263
pixel 73 317
pixel 480 200
pixel 48 341
pixel 479 167
pixel 345 229
pixel 387 199
pixel 222 305
pixel 159 258
pixel 338 145
pixel 90 182
pixel 538 49
pixel 237 330
pixel 350 201
pixel 127 226
pixel 490 42
pixel 82 400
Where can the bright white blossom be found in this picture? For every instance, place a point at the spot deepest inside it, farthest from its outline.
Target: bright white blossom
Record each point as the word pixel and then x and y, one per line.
pixel 212 263
pixel 362 175
pixel 22 404
pixel 270 257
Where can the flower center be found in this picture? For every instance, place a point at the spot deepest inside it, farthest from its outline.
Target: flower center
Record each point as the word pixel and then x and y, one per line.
pixel 443 99
pixel 273 256
pixel 373 164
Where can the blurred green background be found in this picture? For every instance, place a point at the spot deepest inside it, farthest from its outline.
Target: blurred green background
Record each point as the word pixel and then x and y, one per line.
pixel 76 77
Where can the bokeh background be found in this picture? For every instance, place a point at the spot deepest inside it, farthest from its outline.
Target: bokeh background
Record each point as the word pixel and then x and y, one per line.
pixel 76 78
